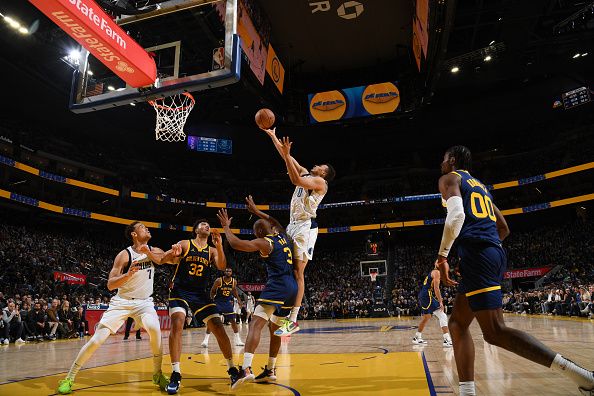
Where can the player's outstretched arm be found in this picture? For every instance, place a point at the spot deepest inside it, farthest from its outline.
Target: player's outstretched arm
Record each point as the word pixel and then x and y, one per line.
pixel 309 183
pixel 218 254
pixel 252 208
pixel 116 277
pixel 278 145
pixel 158 256
pixel 502 227
pixel 243 245
pixel 235 293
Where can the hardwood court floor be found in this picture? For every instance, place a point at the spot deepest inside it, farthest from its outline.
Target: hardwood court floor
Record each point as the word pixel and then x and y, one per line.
pixel 343 357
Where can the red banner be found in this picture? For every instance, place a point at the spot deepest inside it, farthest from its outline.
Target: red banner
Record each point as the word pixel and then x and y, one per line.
pixel 251 287
pixel 95 312
pixel 91 27
pixel 526 272
pixel 70 278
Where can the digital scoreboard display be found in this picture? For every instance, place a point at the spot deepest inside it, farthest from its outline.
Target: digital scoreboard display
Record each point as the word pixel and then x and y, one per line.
pixel 210 145
pixel 576 97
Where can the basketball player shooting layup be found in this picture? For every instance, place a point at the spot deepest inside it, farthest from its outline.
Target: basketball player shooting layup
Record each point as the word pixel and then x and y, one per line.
pixel 133 275
pixel 310 189
pixel 479 228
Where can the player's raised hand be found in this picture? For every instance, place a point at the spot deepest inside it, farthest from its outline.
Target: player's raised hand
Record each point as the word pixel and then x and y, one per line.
pixel 286 146
pixel 216 238
pixel 270 132
pixel 176 249
pixel 224 218
pixel 444 271
pixel 251 205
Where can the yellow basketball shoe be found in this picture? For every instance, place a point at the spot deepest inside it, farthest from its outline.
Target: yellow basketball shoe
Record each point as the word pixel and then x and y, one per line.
pixel 65 386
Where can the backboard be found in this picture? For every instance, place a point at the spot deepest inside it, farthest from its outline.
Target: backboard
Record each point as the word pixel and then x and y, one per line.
pixel 379 266
pixel 194 44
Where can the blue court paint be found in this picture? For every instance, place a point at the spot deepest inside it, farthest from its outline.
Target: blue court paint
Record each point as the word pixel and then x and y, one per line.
pixel 428 374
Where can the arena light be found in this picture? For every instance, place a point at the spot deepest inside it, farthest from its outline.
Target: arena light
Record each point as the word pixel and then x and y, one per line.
pixel 585 54
pixel 488 58
pixel 455 69
pixel 74 54
pixel 492 42
pixel 577 55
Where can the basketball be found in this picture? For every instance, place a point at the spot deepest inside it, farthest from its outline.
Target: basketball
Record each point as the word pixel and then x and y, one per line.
pixel 265 118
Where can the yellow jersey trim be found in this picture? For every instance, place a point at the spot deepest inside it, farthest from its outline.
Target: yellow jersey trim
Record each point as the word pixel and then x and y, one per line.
pixel 457 174
pixel 198 247
pixel 270 301
pixel 189 246
pixel 485 290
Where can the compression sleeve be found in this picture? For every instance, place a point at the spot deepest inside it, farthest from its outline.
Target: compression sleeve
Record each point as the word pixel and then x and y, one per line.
pixel 453 224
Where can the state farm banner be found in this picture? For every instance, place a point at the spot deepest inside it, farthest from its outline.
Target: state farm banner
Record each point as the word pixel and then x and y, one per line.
pixel 91 27
pixel 526 273
pixel 70 278
pixel 251 287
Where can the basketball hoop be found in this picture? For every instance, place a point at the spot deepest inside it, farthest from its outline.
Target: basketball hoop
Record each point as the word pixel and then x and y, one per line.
pixel 373 275
pixel 172 113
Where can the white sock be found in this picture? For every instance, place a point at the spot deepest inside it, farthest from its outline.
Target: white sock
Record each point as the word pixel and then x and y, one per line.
pixel 175 367
pixel 467 388
pixel 271 363
pixel 73 370
pixel 418 334
pixel 294 313
pixel 236 335
pixel 230 363
pixel 206 337
pixel 577 374
pixel 247 360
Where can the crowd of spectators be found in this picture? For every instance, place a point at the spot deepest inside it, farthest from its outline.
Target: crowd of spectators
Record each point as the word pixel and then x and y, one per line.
pixel 35 306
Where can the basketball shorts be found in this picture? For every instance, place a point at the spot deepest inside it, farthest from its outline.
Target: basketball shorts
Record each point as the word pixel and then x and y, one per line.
pixel 304 234
pixel 121 309
pixel 225 307
pixel 428 304
pixel 481 266
pixel 280 292
pixel 199 303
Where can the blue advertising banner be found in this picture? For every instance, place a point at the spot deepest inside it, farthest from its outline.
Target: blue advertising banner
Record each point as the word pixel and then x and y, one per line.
pixel 362 101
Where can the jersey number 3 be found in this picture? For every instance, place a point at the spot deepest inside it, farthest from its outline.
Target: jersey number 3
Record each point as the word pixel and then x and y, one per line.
pixel 289 254
pixel 196 269
pixel 482 206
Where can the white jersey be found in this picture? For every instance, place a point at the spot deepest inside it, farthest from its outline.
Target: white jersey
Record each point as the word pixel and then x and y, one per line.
pixel 140 285
pixel 236 306
pixel 304 203
pixel 251 303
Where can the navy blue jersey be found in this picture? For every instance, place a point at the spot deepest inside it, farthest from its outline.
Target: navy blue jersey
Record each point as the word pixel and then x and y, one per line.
pixel 427 287
pixel 279 262
pixel 225 291
pixel 193 271
pixel 479 223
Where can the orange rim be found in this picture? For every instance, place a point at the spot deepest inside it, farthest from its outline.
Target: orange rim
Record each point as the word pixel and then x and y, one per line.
pixel 159 106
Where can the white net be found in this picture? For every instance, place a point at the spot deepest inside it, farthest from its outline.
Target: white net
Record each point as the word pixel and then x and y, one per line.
pixel 172 113
pixel 373 275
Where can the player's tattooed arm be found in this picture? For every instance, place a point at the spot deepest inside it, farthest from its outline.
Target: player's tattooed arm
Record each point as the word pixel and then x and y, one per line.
pixel 116 276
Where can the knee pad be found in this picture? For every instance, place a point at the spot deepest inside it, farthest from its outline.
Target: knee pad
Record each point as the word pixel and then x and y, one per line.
pixel 264 311
pixel 442 317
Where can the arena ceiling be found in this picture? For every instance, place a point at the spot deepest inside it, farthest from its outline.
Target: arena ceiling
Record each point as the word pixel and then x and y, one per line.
pixel 531 62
